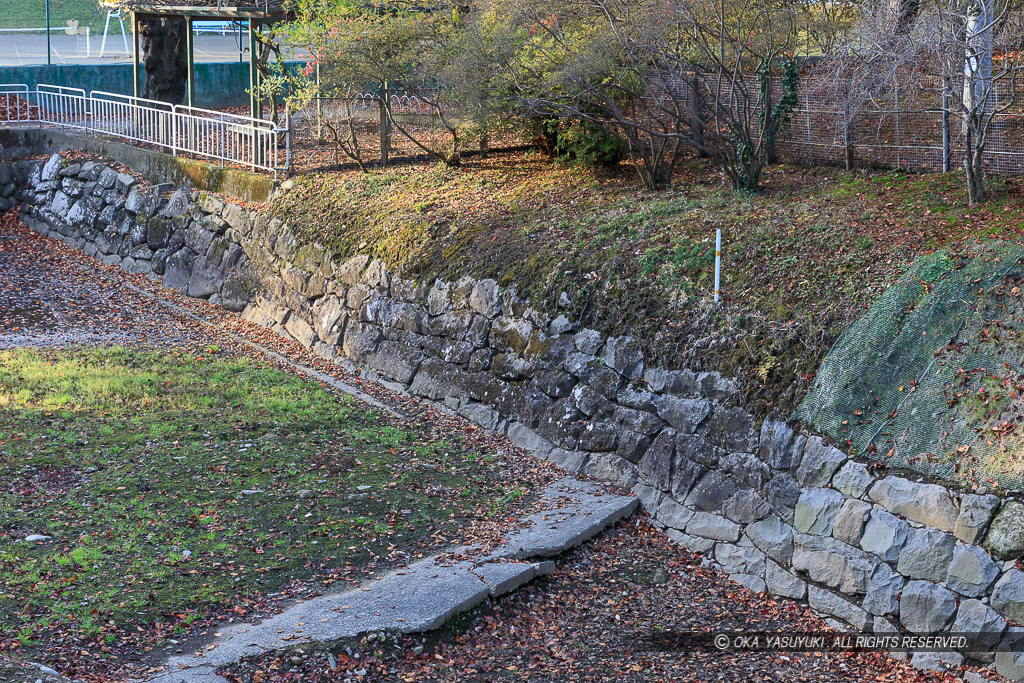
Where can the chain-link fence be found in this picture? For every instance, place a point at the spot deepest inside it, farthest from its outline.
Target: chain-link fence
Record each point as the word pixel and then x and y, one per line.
pixel 889 135
pixel 930 377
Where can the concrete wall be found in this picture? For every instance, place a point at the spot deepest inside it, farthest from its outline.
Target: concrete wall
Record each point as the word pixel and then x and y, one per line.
pixel 779 509
pixel 218 84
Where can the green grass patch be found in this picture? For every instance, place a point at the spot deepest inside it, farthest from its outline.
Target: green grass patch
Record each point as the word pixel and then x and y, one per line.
pixel 170 484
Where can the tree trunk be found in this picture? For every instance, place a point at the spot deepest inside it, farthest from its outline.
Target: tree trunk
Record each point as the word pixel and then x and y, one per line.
pixel 163 45
pixel 975 176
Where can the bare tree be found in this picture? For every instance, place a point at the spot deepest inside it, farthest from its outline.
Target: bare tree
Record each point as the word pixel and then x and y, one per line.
pixel 734 48
pixel 958 56
pixel 592 60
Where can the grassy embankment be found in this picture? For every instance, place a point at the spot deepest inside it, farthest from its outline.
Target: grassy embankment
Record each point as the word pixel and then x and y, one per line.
pixel 801 260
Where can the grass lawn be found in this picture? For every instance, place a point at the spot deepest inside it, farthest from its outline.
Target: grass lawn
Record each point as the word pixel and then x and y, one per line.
pixel 801 259
pixel 184 486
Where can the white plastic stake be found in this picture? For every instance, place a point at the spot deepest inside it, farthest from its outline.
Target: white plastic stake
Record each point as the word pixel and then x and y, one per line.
pixel 718 261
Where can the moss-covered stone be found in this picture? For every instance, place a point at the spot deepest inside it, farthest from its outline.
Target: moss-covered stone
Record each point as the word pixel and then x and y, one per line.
pixel 1006 535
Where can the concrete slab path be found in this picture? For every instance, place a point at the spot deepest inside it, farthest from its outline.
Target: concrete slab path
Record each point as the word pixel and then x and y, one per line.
pixel 422 596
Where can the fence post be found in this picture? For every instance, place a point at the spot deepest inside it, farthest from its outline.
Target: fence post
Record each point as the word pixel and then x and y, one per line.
pixel 287 139
pixel 945 124
pixel 899 158
pixel 385 126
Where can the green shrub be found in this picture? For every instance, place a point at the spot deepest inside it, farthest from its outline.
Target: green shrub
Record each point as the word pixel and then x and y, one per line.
pixel 585 143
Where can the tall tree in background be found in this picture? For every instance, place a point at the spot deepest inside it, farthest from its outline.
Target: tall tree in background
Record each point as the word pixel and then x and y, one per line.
pixel 362 49
pixel 736 47
pixel 164 54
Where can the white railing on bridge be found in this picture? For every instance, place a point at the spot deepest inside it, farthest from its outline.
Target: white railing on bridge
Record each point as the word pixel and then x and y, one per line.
pixel 179 129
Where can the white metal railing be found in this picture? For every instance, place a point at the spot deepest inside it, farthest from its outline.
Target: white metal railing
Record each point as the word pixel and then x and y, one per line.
pixel 63 106
pixel 179 129
pixel 14 103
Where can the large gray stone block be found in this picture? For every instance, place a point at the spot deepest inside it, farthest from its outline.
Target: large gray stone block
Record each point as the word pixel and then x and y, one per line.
pixel 52 167
pixel 684 414
pixel 926 554
pixel 883 591
pixel 1006 536
pixel 707 525
pixel 849 523
pixel 623 355
pixel 751 582
pixel 662 381
pixel 816 511
pixel 748 469
pixel 656 463
pixel 781 582
pixel 829 603
pixel 971 571
pixel 975 514
pixel 773 444
pixel 361 340
pixel 484 298
pixel 1010 655
pixel 376 275
pixel 926 607
pixel 738 559
pixel 650 498
pixel 980 620
pixel 671 513
pixel 928 504
pixel 884 535
pixel 745 506
pixel 732 429
pixel 1008 595
pixel 853 479
pixel 782 492
pixel 832 563
pixel 774 537
pixel 712 491
pixel 695 544
pixel 818 463
pixel 611 468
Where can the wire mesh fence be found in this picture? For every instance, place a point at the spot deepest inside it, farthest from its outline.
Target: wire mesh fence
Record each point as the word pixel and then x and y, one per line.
pixel 919 138
pixel 922 137
pixel 929 378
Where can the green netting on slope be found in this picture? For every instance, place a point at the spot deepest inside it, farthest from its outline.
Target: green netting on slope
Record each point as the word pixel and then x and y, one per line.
pixel 930 377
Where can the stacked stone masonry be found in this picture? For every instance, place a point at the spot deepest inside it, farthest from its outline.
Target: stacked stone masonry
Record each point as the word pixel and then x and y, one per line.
pixel 779 510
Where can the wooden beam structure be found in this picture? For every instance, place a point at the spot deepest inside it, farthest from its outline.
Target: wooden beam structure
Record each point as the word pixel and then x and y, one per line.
pixel 135 54
pixel 254 14
pixel 190 48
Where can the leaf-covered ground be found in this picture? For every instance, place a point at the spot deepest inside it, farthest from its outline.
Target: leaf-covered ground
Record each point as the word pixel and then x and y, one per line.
pixel 801 260
pixel 610 612
pixel 186 478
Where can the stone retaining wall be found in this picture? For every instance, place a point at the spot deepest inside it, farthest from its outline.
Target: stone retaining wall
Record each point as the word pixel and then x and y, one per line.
pixel 778 509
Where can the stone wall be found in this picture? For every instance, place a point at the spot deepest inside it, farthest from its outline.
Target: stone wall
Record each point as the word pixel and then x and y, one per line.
pixel 778 509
